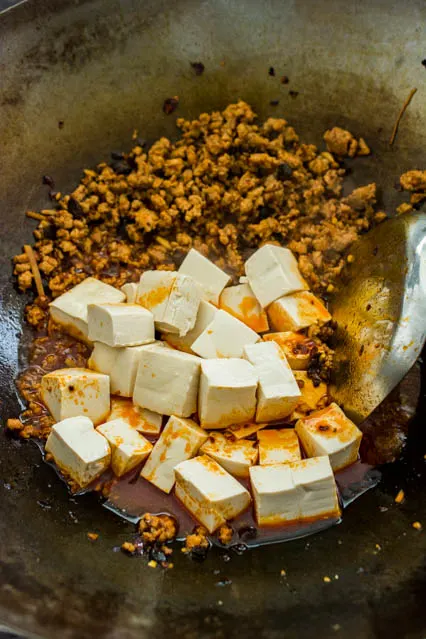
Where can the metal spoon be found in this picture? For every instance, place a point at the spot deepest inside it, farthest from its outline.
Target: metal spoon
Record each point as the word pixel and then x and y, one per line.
pixel 381 314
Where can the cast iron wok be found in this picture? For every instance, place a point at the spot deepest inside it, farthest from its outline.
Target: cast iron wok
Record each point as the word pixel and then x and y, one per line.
pixel 76 77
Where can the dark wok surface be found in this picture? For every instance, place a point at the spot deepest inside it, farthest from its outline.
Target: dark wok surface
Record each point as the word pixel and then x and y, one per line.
pixel 105 68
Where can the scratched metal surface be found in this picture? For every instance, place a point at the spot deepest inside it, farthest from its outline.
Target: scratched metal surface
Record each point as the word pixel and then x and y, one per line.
pixel 104 68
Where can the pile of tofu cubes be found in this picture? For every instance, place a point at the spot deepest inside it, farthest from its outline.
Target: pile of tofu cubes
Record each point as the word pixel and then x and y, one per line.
pixel 219 364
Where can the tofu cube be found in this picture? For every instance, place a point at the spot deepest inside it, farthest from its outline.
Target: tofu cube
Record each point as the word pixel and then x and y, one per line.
pixel 79 451
pixel 313 397
pixel 128 447
pixel 315 482
pixel 330 432
pixel 205 316
pixel 103 358
pixel 297 348
pixel 278 446
pixel 235 456
pixel 130 291
pixel 278 392
pixel 276 497
pixel 140 419
pixel 272 272
pixel 120 324
pixel 73 392
pixel 121 364
pixel 239 431
pixel 226 336
pixel 179 441
pixel 297 311
pixel 212 495
pixel 69 310
pixel 172 298
pixel 167 381
pixel 210 277
pixel 241 302
pixel 227 392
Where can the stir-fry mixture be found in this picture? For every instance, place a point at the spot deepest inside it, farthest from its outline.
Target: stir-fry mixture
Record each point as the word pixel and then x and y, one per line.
pixel 181 329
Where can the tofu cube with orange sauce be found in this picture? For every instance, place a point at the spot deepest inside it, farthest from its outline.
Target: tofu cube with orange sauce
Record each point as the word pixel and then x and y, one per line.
pixel 297 311
pixel 278 446
pixel 330 432
pixel 314 479
pixel 140 419
pixel 69 310
pixel 298 491
pixel 205 316
pixel 224 337
pixel 210 277
pixel 73 392
pixel 239 431
pixel 313 396
pixel 211 494
pixel 79 451
pixel 128 447
pixel 179 441
pixel 130 290
pixel 102 358
pixel 227 393
pixel 235 456
pixel 297 348
pixel 272 272
pixel 172 298
pixel 167 381
pixel 241 302
pixel 276 498
pixel 120 325
pixel 278 392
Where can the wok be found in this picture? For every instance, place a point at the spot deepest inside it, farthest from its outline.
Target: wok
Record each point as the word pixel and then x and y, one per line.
pixel 76 77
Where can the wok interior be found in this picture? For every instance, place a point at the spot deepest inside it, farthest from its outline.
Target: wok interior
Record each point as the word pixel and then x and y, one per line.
pixel 104 69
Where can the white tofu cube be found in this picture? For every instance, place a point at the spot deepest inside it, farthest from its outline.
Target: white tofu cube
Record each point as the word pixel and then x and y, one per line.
pixel 120 324
pixel 130 290
pixel 80 453
pixel 205 316
pixel 297 311
pixel 278 446
pixel 141 419
pixel 235 456
pixel 102 358
pixel 278 392
pixel 239 431
pixel 128 447
pixel 227 392
pixel 330 432
pixel 69 310
pixel 240 301
pixel 315 482
pixel 276 497
pixel 273 272
pixel 73 392
pixel 209 276
pixel 180 440
pixel 226 336
pixel 172 298
pixel 124 371
pixel 167 381
pixel 211 494
pixel 298 349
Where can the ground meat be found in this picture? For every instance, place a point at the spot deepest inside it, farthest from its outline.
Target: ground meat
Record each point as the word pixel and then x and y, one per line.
pixel 225 534
pixel 343 143
pixel 197 543
pixel 157 529
pixel 413 181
